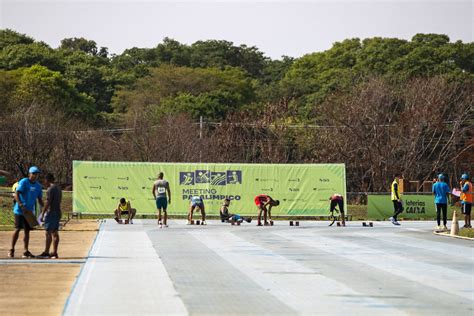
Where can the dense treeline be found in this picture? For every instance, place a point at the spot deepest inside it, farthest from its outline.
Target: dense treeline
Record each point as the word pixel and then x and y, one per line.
pixel 380 105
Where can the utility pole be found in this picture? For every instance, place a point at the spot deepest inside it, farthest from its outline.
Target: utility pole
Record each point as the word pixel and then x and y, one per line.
pixel 200 138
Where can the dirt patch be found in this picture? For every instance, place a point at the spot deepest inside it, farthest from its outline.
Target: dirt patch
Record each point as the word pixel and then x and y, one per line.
pixel 35 289
pixel 42 288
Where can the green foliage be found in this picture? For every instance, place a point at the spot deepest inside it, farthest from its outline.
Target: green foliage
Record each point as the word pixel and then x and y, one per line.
pixel 90 75
pixel 214 105
pixel 177 89
pixel 220 54
pixel 8 83
pixel 9 37
pixel 79 44
pixel 313 77
pixel 26 55
pixel 178 77
pixel 41 87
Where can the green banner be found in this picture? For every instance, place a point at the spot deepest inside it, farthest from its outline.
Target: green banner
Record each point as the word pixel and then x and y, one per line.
pixel 303 189
pixel 415 207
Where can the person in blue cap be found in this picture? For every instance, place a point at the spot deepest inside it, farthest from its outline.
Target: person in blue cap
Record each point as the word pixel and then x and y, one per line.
pixel 26 194
pixel 441 192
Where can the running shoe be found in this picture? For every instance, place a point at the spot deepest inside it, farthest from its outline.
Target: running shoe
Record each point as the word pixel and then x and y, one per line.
pixel 259 224
pixel 166 226
pixel 131 221
pixel 203 223
pixel 11 253
pixel 54 256
pixel 267 224
pixel 437 228
pixel 188 223
pixel 44 255
pixel 28 255
pixel 396 223
pixel 445 228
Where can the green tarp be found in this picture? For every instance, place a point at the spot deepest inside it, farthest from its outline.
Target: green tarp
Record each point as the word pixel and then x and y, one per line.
pixel 303 189
pixel 415 207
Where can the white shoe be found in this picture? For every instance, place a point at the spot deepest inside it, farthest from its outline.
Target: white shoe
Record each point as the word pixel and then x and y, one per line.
pixel 131 221
pixel 203 223
pixel 437 228
pixel 166 226
pixel 396 223
pixel 188 223
pixel 392 220
pixel 445 228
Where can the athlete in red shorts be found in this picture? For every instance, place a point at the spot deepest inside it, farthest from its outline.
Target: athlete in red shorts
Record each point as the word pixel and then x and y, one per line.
pixel 262 201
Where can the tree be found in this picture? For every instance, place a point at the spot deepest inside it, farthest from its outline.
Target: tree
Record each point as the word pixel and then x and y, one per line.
pixel 220 54
pixel 9 37
pixel 48 90
pixel 26 55
pixel 80 44
pixel 227 89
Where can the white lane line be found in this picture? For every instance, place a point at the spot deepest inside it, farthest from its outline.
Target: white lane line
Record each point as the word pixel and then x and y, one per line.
pixel 398 264
pixel 125 265
pixel 429 245
pixel 301 288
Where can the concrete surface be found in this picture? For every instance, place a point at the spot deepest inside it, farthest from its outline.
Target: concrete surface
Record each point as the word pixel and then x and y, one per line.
pixel 221 269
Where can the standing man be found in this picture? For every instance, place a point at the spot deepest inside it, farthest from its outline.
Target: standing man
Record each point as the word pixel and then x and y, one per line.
pixel 162 194
pixel 441 191
pixel 27 191
pixel 466 199
pixel 51 215
pixel 262 201
pixel 396 199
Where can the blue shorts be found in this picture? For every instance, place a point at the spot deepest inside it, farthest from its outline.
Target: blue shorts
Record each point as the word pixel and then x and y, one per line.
pixel 198 204
pixel 161 202
pixel 236 217
pixel 51 223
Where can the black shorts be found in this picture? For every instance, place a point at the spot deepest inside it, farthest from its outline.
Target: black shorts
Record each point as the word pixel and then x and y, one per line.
pixel 338 203
pixel 466 208
pixel 21 223
pixel 123 212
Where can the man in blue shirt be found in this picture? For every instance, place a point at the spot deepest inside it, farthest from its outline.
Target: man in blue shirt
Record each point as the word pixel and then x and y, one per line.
pixel 27 192
pixel 441 192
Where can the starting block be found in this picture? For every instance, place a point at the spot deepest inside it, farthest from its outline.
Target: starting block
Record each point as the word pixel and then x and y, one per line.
pixel 121 221
pixel 296 223
pixel 367 224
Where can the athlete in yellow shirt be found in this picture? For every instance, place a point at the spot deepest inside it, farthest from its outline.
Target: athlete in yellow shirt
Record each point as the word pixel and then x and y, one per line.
pixel 125 208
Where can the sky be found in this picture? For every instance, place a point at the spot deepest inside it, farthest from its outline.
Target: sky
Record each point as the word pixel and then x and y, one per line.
pixel 277 28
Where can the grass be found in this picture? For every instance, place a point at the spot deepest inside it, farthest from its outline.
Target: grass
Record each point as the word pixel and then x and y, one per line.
pixel 467 232
pixel 6 209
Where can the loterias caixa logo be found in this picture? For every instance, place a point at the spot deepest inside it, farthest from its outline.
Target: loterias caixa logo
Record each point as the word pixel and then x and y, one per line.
pixel 213 178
